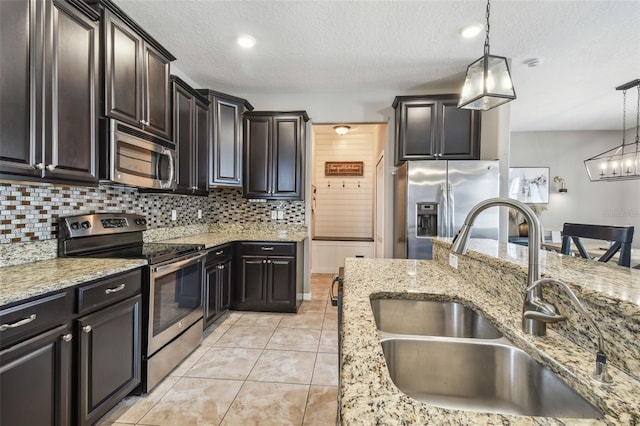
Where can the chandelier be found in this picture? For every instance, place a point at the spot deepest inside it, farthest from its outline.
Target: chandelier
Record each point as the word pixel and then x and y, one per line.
pixel 623 161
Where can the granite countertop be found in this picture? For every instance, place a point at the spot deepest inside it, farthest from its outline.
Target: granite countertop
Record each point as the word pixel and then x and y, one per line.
pixel 39 277
pixel 212 239
pixel 21 282
pixel 368 395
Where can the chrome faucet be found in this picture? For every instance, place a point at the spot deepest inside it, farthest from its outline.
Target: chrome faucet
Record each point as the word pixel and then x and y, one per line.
pixel 600 374
pixel 535 325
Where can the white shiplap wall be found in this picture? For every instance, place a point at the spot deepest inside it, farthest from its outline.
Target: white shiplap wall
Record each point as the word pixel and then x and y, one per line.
pixel 344 205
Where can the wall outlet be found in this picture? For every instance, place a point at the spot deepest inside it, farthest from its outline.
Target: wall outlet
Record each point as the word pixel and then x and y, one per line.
pixel 453 261
pixel 174 215
pixel 274 214
pixel 199 214
pixel 280 214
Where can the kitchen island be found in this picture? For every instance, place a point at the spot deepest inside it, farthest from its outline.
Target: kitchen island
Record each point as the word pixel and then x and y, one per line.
pixel 490 280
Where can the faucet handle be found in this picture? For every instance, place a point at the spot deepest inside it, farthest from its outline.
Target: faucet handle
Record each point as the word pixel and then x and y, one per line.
pixel 544 317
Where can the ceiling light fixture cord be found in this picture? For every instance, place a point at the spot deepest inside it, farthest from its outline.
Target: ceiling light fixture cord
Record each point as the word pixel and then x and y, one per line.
pixel 486 37
pixel 638 120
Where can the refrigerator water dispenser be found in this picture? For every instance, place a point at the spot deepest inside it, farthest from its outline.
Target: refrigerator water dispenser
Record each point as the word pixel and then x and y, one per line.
pixel 427 220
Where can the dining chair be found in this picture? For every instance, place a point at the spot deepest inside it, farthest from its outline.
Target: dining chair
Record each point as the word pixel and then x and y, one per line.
pixel 620 238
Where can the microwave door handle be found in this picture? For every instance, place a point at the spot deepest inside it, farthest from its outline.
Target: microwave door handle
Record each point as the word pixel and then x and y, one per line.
pixel 167 183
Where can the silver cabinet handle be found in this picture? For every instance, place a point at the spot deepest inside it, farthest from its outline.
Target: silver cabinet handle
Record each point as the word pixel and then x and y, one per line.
pixel 146 123
pixel 51 167
pixel 115 289
pixel 266 248
pixel 87 329
pixel 67 337
pixel 218 253
pixel 264 261
pixel 24 321
pixel 268 261
pixel 39 166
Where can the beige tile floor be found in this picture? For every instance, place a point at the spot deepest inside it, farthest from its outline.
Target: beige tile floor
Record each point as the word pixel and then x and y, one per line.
pixel 251 369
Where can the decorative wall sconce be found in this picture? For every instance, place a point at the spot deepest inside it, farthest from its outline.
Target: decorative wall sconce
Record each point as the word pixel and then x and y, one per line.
pixel 560 180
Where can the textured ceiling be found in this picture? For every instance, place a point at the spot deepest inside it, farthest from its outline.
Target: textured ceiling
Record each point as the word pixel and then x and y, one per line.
pixel 588 48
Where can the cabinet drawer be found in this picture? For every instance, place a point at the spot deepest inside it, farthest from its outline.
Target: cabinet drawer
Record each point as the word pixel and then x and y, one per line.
pixel 23 321
pixel 268 248
pixel 105 292
pixel 219 253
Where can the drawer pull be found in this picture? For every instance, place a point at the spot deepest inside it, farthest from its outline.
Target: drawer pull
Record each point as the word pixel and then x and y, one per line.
pixel 267 248
pixel 218 253
pixel 67 337
pixel 24 321
pixel 115 289
pixel 87 329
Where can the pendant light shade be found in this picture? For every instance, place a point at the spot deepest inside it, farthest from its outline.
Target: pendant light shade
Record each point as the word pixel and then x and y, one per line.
pixel 623 161
pixel 488 82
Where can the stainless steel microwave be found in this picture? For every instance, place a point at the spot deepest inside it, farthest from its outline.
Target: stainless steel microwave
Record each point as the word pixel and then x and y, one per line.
pixel 130 156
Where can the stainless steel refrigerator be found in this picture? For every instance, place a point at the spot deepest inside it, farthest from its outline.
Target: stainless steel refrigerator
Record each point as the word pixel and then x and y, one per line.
pixel 432 199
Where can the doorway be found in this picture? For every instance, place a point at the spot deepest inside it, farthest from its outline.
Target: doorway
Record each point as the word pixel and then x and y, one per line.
pixel 343 186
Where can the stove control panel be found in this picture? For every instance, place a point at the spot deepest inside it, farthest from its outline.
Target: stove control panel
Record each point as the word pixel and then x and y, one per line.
pixel 100 224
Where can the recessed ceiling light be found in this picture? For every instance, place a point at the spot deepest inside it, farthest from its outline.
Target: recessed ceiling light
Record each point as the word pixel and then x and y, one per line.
pixel 246 41
pixel 471 31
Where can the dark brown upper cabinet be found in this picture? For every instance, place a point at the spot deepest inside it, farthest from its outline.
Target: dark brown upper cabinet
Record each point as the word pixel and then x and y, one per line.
pixel 191 135
pixel 274 154
pixel 136 74
pixel 49 91
pixel 225 140
pixel 431 127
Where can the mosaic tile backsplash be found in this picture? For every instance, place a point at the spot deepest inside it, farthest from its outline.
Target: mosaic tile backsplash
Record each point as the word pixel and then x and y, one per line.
pixel 30 212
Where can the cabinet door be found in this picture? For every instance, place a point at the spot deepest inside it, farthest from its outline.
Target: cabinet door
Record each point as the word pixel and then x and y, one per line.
pixel 72 65
pixel 257 156
pixel 18 89
pixel 281 288
pixel 201 141
pixel 459 132
pixel 157 101
pixel 211 294
pixel 183 136
pixel 251 284
pixel 417 130
pixel 35 380
pixel 226 150
pixel 225 278
pixel 109 358
pixel 287 157
pixel 123 71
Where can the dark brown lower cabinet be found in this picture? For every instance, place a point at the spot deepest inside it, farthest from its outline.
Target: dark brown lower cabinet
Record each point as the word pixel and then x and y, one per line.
pixel 270 282
pixel 217 288
pixel 109 360
pixel 35 380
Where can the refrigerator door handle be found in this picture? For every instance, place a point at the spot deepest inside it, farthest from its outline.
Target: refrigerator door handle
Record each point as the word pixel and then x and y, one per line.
pixel 451 210
pixel 443 212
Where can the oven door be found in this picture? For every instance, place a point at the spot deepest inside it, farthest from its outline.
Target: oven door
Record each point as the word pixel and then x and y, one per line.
pixel 175 299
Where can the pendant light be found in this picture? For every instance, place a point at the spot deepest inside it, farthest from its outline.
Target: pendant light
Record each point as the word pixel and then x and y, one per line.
pixel 488 83
pixel 623 161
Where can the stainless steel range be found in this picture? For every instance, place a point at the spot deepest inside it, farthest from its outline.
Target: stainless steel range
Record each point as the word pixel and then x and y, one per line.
pixel 172 291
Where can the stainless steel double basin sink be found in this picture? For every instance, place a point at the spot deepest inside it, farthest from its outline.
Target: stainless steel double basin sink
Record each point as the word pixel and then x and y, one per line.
pixel 446 354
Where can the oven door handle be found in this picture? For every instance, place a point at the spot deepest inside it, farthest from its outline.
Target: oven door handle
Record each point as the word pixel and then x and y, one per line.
pixel 174 266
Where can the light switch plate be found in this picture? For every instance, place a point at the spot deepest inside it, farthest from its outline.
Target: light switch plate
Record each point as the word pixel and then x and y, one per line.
pixel 199 214
pixel 274 214
pixel 453 261
pixel 280 214
pixel 174 215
